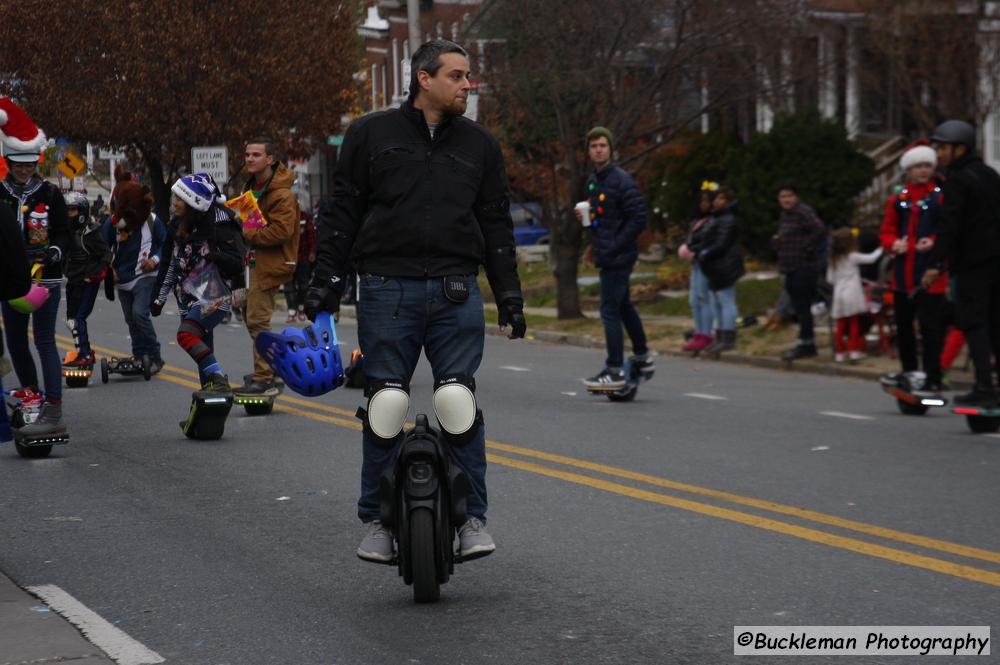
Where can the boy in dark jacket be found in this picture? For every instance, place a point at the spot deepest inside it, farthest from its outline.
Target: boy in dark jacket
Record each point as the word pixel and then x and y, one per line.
pixel 619 216
pixel 86 267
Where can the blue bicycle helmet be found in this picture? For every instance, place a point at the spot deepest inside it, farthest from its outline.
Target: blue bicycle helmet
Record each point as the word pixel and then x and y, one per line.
pixel 308 359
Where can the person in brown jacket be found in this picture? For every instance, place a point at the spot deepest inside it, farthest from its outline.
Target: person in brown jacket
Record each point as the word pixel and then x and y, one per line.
pixel 274 248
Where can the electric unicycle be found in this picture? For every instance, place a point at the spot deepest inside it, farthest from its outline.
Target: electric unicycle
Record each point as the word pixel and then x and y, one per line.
pixel 423 503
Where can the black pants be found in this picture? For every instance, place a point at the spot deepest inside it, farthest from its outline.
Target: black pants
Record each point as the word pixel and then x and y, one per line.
pixel 930 311
pixel 80 298
pixel 978 304
pixel 801 288
pixel 295 289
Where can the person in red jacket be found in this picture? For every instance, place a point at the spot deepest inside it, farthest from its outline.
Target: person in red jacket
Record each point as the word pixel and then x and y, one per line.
pixel 909 229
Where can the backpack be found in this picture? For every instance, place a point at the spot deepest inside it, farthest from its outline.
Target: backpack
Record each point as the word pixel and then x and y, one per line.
pixel 229 244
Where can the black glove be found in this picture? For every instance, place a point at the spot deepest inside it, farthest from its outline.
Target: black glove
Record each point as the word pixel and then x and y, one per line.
pixel 323 296
pixel 155 307
pixel 52 255
pixel 511 312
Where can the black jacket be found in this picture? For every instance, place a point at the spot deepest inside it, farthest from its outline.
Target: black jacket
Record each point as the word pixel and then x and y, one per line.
pixel 15 273
pixel 88 253
pixel 619 216
pixel 718 252
pixel 405 205
pixel 43 224
pixel 968 232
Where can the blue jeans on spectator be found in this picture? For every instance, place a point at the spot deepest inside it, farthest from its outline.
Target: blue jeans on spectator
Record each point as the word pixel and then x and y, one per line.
pixel 43 327
pixel 700 298
pixel 801 288
pixel 616 310
pixel 724 307
pixel 135 307
pixel 397 319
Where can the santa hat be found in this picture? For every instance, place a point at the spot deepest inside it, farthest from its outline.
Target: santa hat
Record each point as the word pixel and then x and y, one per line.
pixel 22 139
pixel 198 191
pixel 918 153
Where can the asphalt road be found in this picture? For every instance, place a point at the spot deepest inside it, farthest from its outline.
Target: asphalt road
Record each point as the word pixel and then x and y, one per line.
pixel 627 533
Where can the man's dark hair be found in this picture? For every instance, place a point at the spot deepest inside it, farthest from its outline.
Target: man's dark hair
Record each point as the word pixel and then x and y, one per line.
pixel 427 58
pixel 787 185
pixel 269 148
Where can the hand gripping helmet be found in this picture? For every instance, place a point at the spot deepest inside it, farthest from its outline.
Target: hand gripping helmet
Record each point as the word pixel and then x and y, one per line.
pixel 308 359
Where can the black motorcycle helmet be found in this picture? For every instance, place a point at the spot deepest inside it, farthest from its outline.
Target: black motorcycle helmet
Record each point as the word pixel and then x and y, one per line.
pixel 78 201
pixel 955 132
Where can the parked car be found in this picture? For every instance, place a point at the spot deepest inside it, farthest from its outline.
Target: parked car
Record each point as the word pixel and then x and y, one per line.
pixel 528 227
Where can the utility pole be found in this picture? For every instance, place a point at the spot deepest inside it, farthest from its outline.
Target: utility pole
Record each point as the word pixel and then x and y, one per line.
pixel 413 19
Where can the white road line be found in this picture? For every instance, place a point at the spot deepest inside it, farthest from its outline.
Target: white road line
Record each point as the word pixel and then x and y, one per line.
pixel 840 414
pixel 122 648
pixel 514 368
pixel 705 396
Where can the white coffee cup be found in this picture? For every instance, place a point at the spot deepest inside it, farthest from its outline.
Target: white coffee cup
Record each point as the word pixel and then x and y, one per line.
pixel 584 208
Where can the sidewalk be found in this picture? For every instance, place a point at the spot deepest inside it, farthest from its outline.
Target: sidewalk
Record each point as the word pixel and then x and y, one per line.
pixel 32 633
pixel 869 368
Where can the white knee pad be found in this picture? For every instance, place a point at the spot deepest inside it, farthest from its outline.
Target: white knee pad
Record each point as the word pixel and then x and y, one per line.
pixel 455 408
pixel 71 324
pixel 388 404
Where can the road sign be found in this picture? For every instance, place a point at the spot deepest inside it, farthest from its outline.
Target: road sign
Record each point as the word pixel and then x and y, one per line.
pixel 213 160
pixel 71 165
pixel 116 154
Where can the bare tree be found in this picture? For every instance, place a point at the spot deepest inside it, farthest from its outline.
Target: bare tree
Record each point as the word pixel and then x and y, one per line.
pixel 643 68
pixel 160 77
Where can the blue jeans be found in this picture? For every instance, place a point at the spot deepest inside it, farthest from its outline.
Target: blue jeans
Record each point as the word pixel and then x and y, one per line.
pixel 700 299
pixel 724 306
pixel 135 307
pixel 616 310
pixel 43 326
pixel 397 319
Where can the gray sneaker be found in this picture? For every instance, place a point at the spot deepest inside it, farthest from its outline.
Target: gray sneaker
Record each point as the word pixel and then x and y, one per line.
pixel 49 421
pixel 377 545
pixel 474 541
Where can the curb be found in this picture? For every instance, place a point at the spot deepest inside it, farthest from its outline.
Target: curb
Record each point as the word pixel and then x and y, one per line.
pixel 763 362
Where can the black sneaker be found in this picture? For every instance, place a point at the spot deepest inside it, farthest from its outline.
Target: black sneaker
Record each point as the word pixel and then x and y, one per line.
pixel 155 365
pixel 984 399
pixel 933 387
pixel 607 379
pixel 800 351
pixel 644 363
pixel 254 388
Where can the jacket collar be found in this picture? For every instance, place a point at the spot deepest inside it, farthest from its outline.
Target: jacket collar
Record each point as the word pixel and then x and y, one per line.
pixel 605 172
pixel 963 161
pixel 416 116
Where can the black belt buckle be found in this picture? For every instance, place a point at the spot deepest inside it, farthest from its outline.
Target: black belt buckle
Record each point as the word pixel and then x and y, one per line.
pixel 455 288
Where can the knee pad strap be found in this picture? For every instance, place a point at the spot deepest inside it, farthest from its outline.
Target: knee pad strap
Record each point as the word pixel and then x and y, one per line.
pixel 388 406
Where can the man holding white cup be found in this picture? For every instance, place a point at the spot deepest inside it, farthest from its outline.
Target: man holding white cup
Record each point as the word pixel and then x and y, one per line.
pixel 615 212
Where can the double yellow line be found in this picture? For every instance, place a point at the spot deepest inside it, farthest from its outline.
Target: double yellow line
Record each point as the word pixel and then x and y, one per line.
pixel 567 469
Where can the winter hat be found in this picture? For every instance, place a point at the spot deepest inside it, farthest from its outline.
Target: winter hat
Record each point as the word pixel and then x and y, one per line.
pixel 198 191
pixel 918 153
pixel 598 132
pixel 22 139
